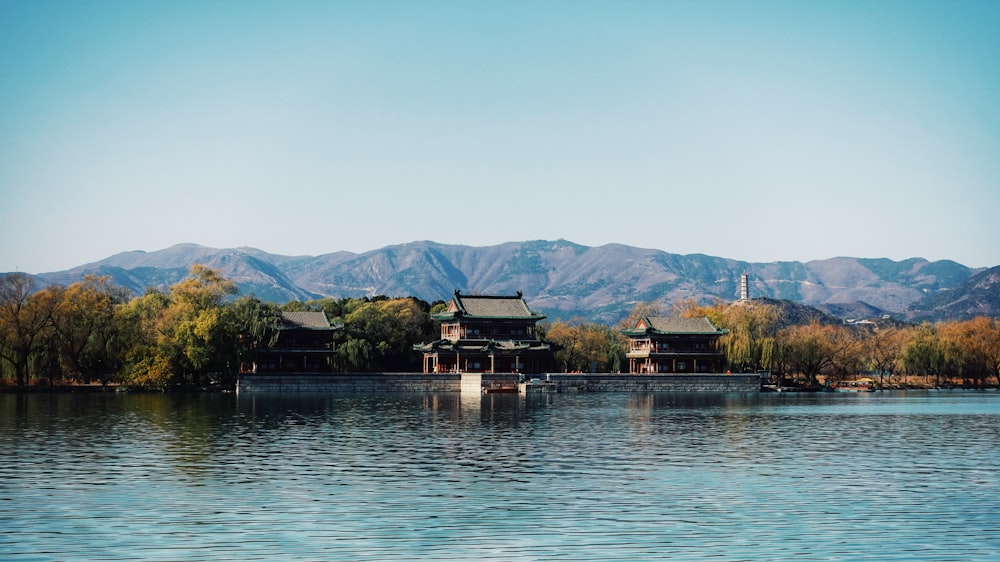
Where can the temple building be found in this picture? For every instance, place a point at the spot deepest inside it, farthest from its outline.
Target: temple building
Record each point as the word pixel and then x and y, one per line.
pixel 304 345
pixel 674 345
pixel 487 334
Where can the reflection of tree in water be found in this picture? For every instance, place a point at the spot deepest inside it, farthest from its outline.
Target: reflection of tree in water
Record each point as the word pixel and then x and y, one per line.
pixel 186 427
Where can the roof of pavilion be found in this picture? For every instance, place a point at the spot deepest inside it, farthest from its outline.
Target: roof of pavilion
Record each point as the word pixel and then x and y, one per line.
pixel 673 325
pixel 496 307
pixel 305 320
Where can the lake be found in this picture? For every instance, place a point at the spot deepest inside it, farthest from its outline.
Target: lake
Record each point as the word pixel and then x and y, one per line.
pixel 881 476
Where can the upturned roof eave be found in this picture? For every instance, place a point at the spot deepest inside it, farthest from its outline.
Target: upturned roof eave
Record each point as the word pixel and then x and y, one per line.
pixel 651 331
pixel 442 316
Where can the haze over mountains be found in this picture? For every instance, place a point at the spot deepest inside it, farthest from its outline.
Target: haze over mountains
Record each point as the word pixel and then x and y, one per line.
pixel 565 280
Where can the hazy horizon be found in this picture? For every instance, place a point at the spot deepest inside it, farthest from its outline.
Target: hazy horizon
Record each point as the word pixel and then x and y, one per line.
pixel 333 251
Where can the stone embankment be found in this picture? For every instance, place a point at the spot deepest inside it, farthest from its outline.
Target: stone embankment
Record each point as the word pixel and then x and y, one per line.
pixel 455 382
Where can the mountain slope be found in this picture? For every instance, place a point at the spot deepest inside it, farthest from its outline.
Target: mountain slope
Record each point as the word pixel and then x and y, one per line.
pixel 977 296
pixel 253 271
pixel 559 278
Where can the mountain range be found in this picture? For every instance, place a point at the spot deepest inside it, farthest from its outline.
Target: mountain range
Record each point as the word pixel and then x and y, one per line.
pixel 566 280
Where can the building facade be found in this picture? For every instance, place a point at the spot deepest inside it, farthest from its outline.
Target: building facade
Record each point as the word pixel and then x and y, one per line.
pixel 487 334
pixel 674 345
pixel 304 345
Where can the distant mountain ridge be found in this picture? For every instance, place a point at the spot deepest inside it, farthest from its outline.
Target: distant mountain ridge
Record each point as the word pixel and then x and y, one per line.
pixel 564 280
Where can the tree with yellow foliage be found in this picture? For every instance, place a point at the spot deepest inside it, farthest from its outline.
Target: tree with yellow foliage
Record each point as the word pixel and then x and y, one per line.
pixel 752 341
pixel 25 321
pixel 587 347
pixel 181 336
pixel 85 322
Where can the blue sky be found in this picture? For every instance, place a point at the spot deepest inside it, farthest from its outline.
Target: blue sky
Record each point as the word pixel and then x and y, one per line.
pixel 758 131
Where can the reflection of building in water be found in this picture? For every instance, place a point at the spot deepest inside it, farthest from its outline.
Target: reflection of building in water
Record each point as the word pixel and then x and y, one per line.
pixel 674 345
pixel 487 334
pixel 304 345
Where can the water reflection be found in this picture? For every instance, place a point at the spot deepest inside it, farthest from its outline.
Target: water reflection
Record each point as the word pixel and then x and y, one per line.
pixel 501 477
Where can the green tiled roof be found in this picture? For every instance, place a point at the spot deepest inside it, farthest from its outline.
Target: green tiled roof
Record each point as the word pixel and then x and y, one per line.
pixel 308 320
pixel 489 306
pixel 686 325
pixel 674 325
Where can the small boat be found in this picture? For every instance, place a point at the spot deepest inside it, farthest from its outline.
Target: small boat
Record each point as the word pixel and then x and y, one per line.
pixel 859 385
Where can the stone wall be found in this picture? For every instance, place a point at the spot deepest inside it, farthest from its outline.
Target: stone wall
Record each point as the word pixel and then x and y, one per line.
pixel 350 382
pixel 453 382
pixel 704 382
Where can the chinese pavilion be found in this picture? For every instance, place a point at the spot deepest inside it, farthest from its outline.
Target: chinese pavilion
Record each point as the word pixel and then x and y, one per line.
pixel 304 345
pixel 674 345
pixel 487 334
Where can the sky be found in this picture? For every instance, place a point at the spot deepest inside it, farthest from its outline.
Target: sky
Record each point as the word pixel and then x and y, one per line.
pixel 759 131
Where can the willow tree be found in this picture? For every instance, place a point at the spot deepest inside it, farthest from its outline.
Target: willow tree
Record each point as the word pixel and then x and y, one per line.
pixel 25 321
pixel 972 348
pixel 883 351
pixel 254 324
pixel 808 349
pixel 988 342
pixel 923 354
pixel 751 343
pixel 85 322
pixel 145 327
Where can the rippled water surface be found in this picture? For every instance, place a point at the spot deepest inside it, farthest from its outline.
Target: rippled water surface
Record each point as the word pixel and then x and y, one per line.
pixel 894 476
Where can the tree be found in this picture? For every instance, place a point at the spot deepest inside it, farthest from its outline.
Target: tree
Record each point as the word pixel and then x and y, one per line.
pixel 689 308
pixel 255 324
pixel 989 341
pixel 976 347
pixel 24 318
pixel 390 328
pixel 199 327
pixel 567 337
pixel 145 328
pixel 923 354
pixel 808 349
pixel 85 323
pixel 587 347
pixel 952 364
pixel 751 343
pixel 640 310
pixel 183 336
pixel 883 351
pixel 846 350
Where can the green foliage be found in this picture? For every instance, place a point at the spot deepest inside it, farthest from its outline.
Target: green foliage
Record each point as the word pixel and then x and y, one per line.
pixel 751 341
pixel 587 347
pixel 389 328
pixel 182 336
pixel 254 324
pixel 924 354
